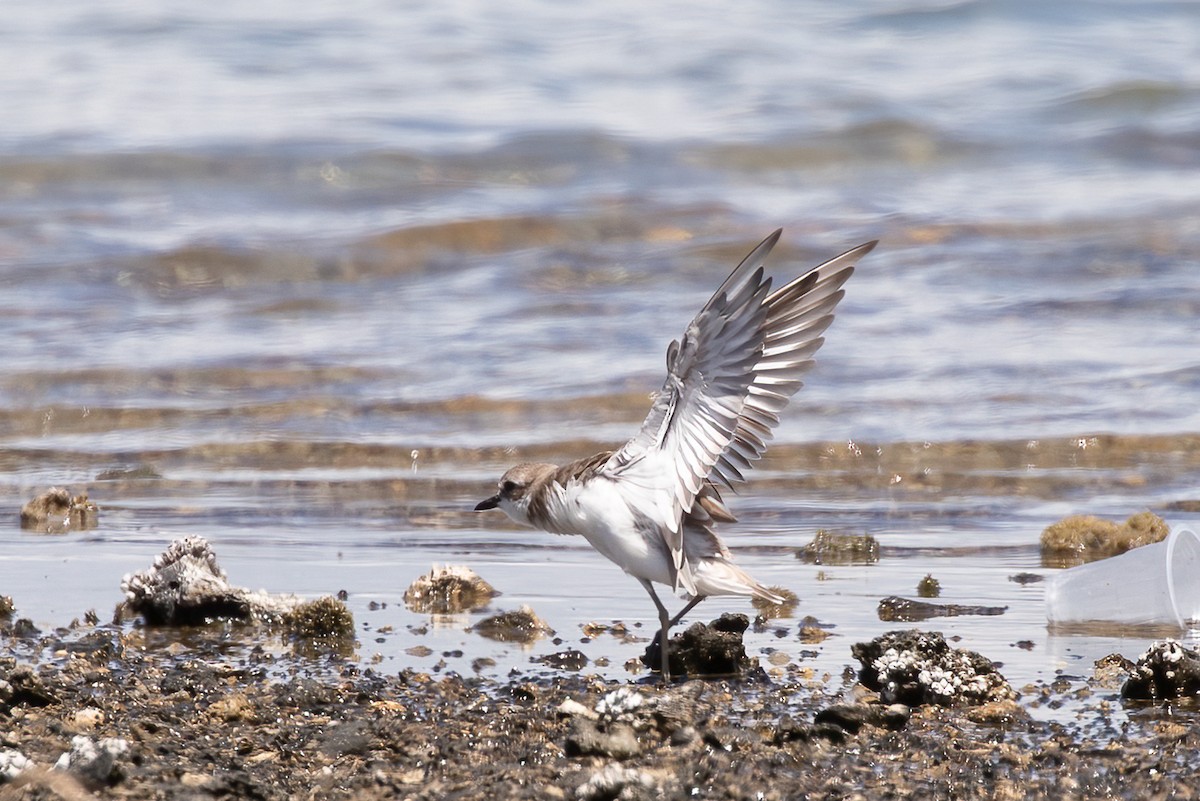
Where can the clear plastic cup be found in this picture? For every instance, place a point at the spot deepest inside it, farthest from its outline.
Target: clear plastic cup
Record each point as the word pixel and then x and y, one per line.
pixel 1157 583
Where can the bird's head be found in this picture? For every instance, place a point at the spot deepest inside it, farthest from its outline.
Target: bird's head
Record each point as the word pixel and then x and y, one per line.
pixel 516 490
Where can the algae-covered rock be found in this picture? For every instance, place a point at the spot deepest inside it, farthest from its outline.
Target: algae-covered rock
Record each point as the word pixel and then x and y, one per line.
pixel 929 587
pixel 769 610
pixel 831 548
pixel 321 618
pixel 1084 538
pixel 56 511
pixel 895 608
pixel 522 626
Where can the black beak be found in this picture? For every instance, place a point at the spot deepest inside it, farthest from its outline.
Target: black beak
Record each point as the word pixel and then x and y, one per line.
pixel 490 503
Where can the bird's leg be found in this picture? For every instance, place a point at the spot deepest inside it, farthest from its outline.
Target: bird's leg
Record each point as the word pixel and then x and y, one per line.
pixel 664 620
pixel 690 606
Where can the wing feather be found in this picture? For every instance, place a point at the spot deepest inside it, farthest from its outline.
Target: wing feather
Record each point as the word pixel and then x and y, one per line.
pixel 734 370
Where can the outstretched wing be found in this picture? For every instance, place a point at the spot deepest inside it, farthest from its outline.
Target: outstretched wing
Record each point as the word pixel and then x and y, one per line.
pixel 797 316
pixel 735 368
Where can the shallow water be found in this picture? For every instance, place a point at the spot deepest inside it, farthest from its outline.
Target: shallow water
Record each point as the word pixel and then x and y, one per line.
pixel 327 275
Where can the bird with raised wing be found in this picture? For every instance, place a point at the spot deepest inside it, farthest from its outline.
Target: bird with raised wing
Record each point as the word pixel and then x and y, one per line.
pixel 652 506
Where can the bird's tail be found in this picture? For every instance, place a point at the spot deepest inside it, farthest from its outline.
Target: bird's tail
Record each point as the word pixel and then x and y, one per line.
pixel 722 577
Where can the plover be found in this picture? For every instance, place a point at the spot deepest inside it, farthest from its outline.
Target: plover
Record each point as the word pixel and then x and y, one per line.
pixel 651 507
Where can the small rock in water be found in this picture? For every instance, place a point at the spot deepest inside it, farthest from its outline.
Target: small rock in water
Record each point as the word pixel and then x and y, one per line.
pixel 915 667
pixel 55 511
pixel 185 586
pixel 894 608
pixel 829 548
pixel 1166 670
pixel 706 650
pixel 1111 672
pixel 320 618
pixel 448 590
pixel 522 626
pixel 929 587
pixel 320 624
pixel 564 660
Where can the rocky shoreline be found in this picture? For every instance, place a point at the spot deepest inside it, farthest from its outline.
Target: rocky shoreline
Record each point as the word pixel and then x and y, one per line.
pixel 199 689
pixel 125 713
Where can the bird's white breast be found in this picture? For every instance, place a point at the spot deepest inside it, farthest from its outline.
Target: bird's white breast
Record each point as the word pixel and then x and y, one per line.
pixel 596 510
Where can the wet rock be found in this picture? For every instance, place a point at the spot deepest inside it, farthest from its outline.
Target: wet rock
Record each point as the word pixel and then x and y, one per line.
pixel 141 471
pixel 1166 670
pixel 523 626
pixel 12 763
pixel 715 649
pixel 86 719
pixel 790 730
pixel 915 667
pixel 6 606
pixel 352 737
pixel 55 511
pixel 829 548
pixel 614 782
pixel 233 708
pixel 1026 578
pixel 22 629
pixel 1083 538
pixel 449 590
pixel 729 738
pixel 852 717
pixel 894 608
pixel 185 586
pixel 565 660
pixel 812 631
pixel 613 740
pixel 620 704
pixel 20 686
pixel 97 763
pixel 1003 712
pixel 1111 671
pixel 929 587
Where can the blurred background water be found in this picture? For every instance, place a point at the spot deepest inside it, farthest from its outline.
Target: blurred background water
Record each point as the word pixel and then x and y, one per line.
pixel 304 279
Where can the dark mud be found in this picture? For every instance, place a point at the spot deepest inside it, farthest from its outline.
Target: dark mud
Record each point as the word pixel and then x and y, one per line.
pixel 167 716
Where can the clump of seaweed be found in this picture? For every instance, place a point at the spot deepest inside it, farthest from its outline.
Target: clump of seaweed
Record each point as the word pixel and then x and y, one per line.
pixel 831 548
pixel 56 511
pixel 1085 538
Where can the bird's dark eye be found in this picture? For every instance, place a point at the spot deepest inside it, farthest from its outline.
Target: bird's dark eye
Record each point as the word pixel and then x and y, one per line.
pixel 507 486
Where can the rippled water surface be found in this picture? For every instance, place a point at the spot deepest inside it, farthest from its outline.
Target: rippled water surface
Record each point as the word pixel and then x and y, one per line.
pixel 304 280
